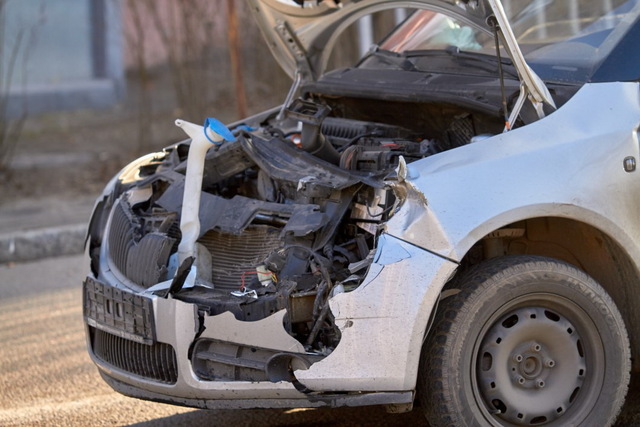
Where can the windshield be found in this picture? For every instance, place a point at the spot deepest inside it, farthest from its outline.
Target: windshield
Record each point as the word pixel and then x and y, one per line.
pixel 561 40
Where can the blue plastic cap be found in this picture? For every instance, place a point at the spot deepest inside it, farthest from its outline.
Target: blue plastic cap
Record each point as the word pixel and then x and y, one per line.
pixel 219 128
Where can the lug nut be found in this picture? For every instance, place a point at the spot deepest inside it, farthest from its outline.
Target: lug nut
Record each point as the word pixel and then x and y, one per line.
pixel 536 347
pixel 518 358
pixel 550 363
pixel 539 383
pixel 520 379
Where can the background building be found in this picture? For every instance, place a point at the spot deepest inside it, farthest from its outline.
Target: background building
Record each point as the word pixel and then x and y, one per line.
pixel 62 54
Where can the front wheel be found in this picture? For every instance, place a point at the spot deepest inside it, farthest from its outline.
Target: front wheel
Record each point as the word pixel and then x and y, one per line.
pixel 525 341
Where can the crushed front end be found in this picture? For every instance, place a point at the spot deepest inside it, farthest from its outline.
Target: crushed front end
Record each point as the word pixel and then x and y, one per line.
pixel 290 217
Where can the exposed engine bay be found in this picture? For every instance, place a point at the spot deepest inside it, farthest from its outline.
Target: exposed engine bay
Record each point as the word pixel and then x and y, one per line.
pixel 290 213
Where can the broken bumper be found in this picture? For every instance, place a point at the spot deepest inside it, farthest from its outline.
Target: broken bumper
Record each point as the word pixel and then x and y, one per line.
pixel 167 350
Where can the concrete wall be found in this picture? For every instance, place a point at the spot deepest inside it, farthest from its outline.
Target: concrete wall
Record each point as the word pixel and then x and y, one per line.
pixel 58 55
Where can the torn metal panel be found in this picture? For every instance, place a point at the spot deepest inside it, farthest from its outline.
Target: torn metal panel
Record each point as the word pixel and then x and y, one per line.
pixel 139 195
pixel 417 223
pixel 488 184
pixel 413 219
pixel 394 305
pixel 390 251
pixel 267 333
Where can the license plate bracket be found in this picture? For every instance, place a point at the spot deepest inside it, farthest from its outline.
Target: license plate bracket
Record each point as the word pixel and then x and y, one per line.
pixel 118 312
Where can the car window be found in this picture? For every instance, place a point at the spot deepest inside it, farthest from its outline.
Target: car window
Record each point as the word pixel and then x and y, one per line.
pixel 572 46
pixel 560 40
pixel 426 30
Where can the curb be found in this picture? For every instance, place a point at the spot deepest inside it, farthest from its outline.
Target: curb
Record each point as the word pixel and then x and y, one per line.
pixel 30 245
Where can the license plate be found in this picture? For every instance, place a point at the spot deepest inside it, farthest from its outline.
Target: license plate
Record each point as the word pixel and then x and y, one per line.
pixel 118 312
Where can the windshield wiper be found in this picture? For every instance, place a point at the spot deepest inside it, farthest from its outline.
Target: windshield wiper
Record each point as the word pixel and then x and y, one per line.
pixel 391 58
pixel 455 52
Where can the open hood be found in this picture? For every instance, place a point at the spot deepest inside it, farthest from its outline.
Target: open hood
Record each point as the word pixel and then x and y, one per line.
pixel 302 34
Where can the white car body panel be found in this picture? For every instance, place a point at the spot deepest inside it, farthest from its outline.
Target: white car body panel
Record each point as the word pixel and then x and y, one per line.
pixel 535 171
pixel 376 309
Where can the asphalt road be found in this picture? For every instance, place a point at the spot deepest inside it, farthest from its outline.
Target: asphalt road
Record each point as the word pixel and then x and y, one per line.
pixel 47 378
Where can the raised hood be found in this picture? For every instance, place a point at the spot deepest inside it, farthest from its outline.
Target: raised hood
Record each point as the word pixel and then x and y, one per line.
pixel 302 34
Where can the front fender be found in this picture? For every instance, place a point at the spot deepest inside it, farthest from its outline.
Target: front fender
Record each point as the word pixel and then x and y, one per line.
pixel 382 322
pixel 569 164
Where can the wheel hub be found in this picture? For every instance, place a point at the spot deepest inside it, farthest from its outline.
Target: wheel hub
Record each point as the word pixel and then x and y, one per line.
pixel 530 366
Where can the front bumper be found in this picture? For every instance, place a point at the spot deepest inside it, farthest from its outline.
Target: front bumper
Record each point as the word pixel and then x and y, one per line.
pixel 156 362
pixel 164 349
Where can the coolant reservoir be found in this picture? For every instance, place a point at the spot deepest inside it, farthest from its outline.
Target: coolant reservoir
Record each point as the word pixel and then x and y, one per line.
pixel 213 133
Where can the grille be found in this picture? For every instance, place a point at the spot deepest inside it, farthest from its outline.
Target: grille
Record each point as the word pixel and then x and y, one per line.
pixel 234 258
pixel 142 259
pixel 461 131
pixel 121 236
pixel 225 361
pixel 155 362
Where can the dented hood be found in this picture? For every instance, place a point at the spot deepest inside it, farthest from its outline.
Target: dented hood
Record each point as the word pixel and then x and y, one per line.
pixel 302 34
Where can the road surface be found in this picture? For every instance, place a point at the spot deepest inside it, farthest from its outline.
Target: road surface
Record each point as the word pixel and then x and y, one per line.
pixel 47 378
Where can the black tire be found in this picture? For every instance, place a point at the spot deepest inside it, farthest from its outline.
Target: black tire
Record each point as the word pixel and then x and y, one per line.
pixel 526 341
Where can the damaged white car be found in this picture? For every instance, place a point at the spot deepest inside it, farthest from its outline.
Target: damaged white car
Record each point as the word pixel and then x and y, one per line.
pixel 452 222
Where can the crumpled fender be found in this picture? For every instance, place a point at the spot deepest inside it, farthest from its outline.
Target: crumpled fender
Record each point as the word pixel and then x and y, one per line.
pixel 382 322
pixel 563 166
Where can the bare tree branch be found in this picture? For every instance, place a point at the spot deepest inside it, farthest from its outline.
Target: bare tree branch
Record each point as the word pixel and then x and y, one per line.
pixel 235 53
pixel 137 44
pixel 11 128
